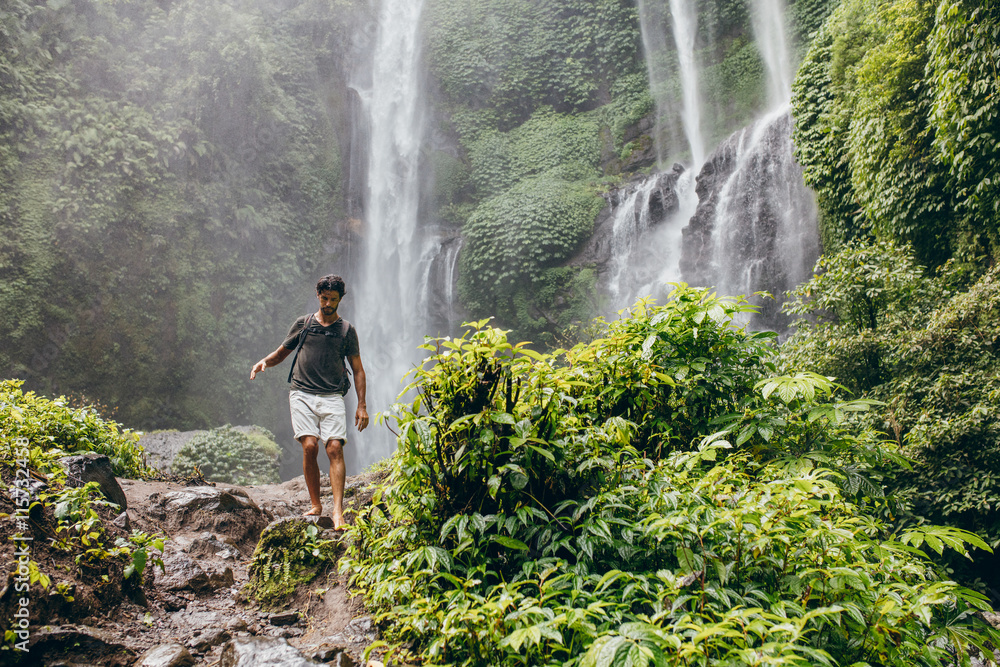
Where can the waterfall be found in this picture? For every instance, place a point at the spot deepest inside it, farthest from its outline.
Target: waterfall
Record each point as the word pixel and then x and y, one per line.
pixel 685 29
pixel 755 227
pixel 648 219
pixel 645 235
pixel 653 17
pixel 438 271
pixel 390 313
pixel 769 30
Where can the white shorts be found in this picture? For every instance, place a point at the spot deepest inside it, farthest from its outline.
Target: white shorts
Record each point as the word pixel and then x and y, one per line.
pixel 321 415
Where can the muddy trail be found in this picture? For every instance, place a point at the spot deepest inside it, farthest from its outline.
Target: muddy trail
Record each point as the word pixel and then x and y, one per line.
pixel 197 611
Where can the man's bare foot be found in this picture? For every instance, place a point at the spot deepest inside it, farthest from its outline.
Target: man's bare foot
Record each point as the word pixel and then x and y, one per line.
pixel 339 523
pixel 315 511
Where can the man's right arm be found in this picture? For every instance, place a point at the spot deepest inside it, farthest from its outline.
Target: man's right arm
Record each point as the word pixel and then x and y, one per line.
pixel 272 359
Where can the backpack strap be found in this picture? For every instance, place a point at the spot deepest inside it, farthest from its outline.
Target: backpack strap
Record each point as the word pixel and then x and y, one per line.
pixel 302 339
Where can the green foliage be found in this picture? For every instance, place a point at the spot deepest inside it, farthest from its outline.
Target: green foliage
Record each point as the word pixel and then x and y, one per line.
pixel 513 237
pixel 544 142
pixel 896 124
pixel 227 455
pixel 852 308
pixel 925 347
pixel 964 49
pixel 288 555
pixel 512 56
pixel 54 429
pixel 580 508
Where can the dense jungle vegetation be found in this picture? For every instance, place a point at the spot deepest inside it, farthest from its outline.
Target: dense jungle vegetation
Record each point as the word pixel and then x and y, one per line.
pixel 658 496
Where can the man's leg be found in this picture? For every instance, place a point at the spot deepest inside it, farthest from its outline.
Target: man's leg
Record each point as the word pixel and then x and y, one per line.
pixel 338 473
pixel 310 470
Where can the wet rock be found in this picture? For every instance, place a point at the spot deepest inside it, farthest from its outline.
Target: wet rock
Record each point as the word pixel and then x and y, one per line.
pixel 754 228
pixel 183 573
pixel 93 467
pixel 256 651
pixel 204 640
pixel 284 618
pixel 205 498
pixel 227 514
pixel 237 624
pixel 166 655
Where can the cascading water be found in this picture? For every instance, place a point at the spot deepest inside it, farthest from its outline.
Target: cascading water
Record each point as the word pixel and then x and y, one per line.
pixel 390 315
pixel 755 228
pixel 653 18
pixel 646 236
pixel 769 30
pixel 685 29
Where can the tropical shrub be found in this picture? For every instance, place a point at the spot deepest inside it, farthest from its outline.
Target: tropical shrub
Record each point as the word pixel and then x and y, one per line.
pixel 925 347
pixel 55 429
pixel 227 455
pixel 656 496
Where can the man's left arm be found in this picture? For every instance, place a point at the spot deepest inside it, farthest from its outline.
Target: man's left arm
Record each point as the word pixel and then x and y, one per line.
pixel 361 414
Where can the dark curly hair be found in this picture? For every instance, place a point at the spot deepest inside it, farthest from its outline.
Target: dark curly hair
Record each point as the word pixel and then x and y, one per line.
pixel 331 283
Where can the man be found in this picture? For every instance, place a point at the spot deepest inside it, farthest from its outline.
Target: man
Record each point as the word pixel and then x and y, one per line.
pixel 321 341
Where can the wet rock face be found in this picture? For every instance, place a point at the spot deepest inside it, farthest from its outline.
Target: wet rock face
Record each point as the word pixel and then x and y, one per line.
pixel 661 201
pixel 229 513
pixel 85 644
pixel 91 467
pixel 256 651
pixel 755 226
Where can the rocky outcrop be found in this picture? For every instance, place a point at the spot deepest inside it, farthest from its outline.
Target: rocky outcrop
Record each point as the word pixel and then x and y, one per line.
pixel 228 512
pixel 642 203
pixel 755 225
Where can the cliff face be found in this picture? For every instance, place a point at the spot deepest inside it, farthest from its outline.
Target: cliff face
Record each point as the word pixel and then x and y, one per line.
pixel 755 225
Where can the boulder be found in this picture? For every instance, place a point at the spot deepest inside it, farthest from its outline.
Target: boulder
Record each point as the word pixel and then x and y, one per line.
pixel 182 572
pixel 226 513
pixel 93 467
pixel 83 643
pixel 257 651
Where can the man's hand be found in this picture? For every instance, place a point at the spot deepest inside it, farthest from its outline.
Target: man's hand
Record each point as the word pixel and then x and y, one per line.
pixel 258 368
pixel 272 359
pixel 361 418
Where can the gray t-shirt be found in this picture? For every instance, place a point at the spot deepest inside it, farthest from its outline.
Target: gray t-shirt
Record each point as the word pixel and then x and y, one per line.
pixel 320 368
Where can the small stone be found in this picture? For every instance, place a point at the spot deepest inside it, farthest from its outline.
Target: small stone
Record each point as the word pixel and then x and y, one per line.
pixel 284 618
pixel 166 655
pixel 236 624
pixel 122 521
